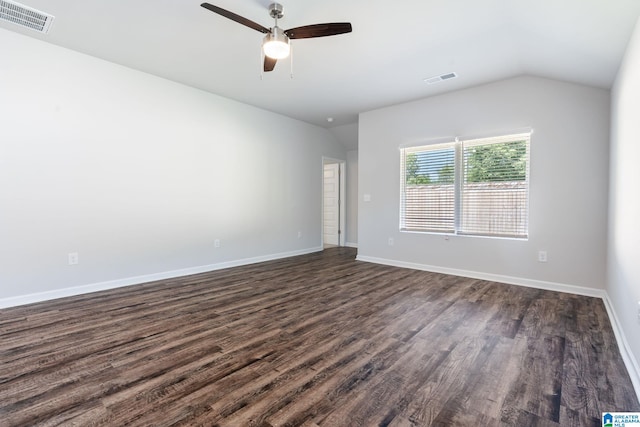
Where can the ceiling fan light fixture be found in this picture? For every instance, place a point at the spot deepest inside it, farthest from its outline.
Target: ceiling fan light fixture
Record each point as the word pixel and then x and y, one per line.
pixel 276 44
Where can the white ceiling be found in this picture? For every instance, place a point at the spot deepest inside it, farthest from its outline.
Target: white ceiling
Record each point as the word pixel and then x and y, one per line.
pixel 393 47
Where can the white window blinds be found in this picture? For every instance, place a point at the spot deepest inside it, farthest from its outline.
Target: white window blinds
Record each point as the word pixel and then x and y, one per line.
pixel 474 187
pixel 495 186
pixel 428 189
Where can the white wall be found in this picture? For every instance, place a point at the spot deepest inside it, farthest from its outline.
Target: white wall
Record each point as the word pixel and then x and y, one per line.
pixel 140 175
pixel 347 135
pixel 569 181
pixel 623 285
pixel 352 198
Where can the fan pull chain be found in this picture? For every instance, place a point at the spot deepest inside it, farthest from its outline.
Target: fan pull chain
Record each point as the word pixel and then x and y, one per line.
pixel 291 59
pixel 260 61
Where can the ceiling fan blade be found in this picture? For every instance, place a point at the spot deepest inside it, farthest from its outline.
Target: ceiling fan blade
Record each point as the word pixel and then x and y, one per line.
pixel 318 30
pixel 237 18
pixel 269 63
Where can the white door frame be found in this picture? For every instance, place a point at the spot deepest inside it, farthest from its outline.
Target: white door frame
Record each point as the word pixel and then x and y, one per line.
pixel 342 199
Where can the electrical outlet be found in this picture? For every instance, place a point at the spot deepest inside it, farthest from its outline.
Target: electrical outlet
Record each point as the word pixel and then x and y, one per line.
pixel 542 256
pixel 391 242
pixel 216 243
pixel 73 258
pixel 299 234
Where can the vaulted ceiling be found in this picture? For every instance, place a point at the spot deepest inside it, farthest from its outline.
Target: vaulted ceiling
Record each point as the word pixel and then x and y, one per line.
pixel 394 46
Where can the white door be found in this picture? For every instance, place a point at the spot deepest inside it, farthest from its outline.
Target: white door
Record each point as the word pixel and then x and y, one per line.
pixel 331 204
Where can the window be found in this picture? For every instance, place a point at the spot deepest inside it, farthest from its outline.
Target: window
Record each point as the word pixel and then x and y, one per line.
pixel 472 187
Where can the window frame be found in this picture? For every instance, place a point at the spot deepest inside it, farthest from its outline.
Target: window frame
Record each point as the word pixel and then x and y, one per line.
pixel 458 144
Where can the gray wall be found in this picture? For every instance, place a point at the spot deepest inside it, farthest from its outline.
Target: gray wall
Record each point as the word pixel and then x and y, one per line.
pixel 569 181
pixel 623 285
pixel 140 175
pixel 352 198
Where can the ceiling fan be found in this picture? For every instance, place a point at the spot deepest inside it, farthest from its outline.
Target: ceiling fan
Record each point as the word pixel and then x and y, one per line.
pixel 276 41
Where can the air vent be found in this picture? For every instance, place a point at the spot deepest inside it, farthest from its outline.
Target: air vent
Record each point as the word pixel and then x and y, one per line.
pixel 440 78
pixel 25 16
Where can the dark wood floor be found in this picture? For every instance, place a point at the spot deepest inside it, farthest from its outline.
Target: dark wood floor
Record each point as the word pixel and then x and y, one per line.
pixel 319 339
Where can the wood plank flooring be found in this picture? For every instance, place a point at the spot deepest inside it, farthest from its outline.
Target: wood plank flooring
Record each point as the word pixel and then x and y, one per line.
pixel 315 340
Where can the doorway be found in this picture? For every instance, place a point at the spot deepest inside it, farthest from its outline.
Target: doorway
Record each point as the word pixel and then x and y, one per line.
pixel 333 206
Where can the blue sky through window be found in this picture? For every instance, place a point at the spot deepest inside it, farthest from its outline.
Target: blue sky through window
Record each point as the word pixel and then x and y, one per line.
pixel 431 162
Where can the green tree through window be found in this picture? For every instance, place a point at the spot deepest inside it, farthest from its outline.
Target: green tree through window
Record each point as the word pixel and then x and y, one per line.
pixel 446 174
pixel 430 168
pixel 501 162
pixel 413 175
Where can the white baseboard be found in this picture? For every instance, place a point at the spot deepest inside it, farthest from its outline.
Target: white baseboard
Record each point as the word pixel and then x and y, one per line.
pixel 633 368
pixel 351 245
pixel 538 284
pixel 128 281
pixel 629 359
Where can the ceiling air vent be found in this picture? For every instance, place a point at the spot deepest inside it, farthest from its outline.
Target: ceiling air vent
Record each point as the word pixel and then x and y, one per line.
pixel 440 78
pixel 25 16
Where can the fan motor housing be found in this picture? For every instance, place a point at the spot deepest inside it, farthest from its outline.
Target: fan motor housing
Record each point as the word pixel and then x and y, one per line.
pixel 276 10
